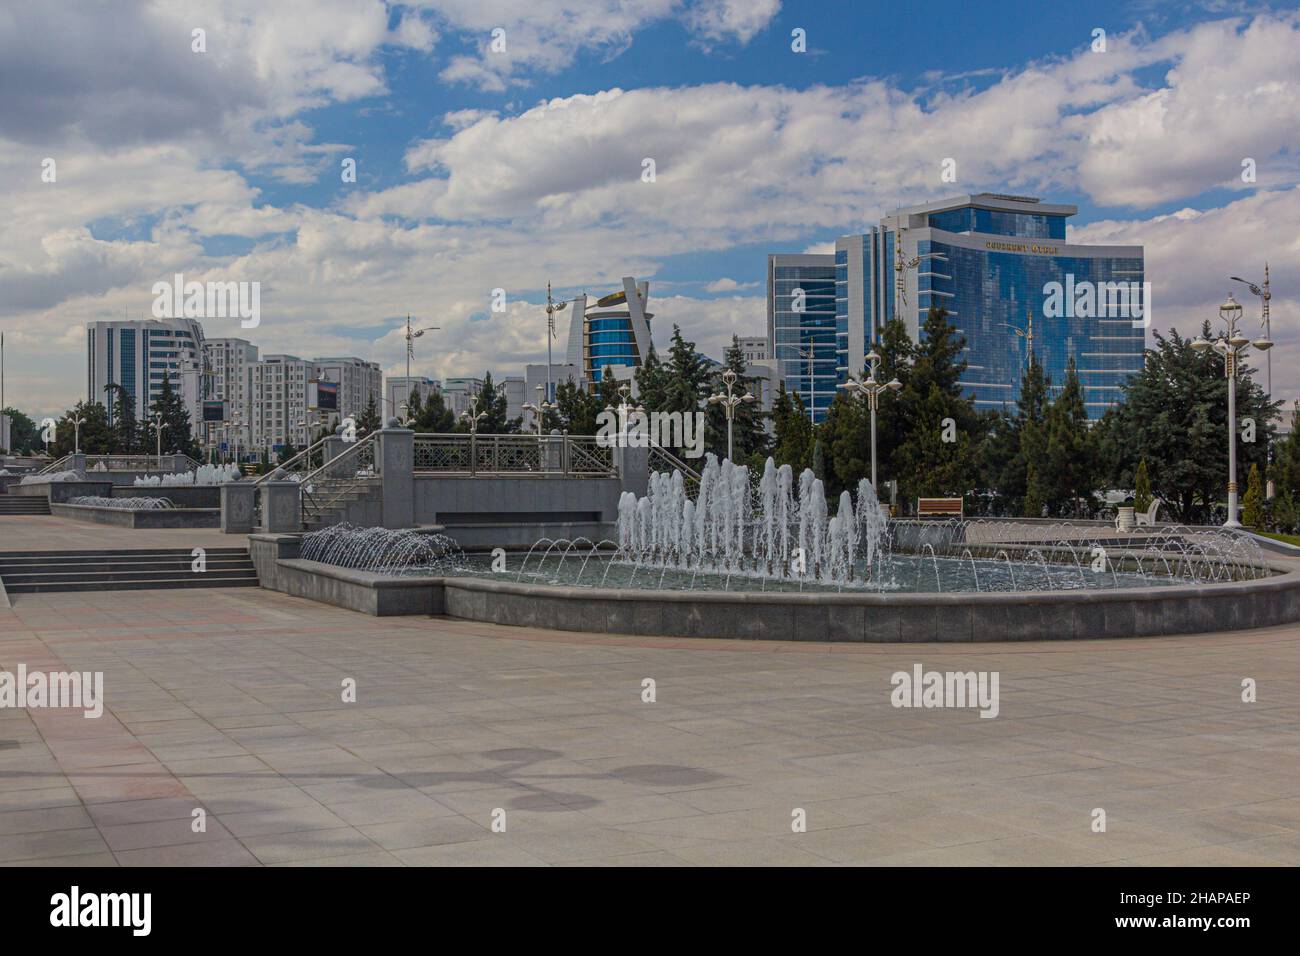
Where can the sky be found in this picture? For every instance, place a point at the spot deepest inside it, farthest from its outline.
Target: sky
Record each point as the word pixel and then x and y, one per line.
pixel 501 144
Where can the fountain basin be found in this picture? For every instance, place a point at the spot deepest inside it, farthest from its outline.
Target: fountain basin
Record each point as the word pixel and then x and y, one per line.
pixel 822 616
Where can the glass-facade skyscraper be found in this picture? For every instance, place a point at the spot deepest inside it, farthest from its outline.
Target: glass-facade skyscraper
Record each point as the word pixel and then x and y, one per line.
pixel 612 332
pixel 993 262
pixel 801 326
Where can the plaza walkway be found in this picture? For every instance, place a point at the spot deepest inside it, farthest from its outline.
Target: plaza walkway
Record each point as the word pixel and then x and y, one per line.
pixel 230 701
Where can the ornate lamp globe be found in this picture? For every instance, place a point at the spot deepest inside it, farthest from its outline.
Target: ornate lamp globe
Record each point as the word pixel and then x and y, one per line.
pixel 1230 311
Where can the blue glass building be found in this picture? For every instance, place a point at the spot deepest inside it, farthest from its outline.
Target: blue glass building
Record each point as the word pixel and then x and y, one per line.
pixel 611 332
pixel 993 262
pixel 801 326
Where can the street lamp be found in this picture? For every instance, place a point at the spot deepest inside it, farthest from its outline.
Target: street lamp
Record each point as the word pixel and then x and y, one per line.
pixel 411 336
pixel 551 308
pixel 77 422
pixel 1027 333
pixel 871 390
pixel 1264 296
pixel 473 415
pixel 623 407
pixel 1230 346
pixel 157 426
pixel 810 353
pixel 730 402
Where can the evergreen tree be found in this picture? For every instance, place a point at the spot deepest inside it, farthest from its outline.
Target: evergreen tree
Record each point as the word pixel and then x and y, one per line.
pixel 1284 516
pixel 431 415
pixel 818 460
pixel 1069 469
pixel 688 378
pixel 177 435
pixel 794 432
pixel 748 434
pixel 846 432
pixel 94 430
pixel 932 404
pixel 1175 415
pixel 1285 467
pixel 1142 496
pixel 1252 505
pixel 492 401
pixel 651 382
pixel 579 409
pixel 369 422
pixel 125 433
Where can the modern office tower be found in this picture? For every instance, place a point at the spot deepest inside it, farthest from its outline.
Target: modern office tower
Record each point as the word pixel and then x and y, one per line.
pixel 230 377
pixel 279 403
pixel 994 263
pixel 457 393
pixel 399 389
pixel 801 326
pixel 513 385
pixel 138 355
pixel 359 382
pixel 613 330
pixel 754 348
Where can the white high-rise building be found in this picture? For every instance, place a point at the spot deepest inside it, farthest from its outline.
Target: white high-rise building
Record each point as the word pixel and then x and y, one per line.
pixel 279 402
pixel 138 355
pixel 399 389
pixel 230 368
pixel 359 382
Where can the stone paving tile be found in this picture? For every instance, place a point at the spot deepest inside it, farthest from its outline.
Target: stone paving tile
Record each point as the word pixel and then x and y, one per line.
pixel 228 700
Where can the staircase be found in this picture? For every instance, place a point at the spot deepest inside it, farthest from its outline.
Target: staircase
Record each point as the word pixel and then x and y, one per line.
pixel 24 505
pixel 32 572
pixel 358 501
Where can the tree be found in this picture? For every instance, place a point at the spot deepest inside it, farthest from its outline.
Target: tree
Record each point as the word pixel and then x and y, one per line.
pixel 1252 505
pixel 431 414
pixel 748 435
pixel 1285 467
pixel 579 409
pixel 124 434
pixel 1142 496
pixel 937 455
pixel 24 436
pixel 177 435
pixel 688 377
pixel 493 406
pixel 794 432
pixel 368 422
pixel 819 460
pixel 1284 516
pixel 651 382
pixel 1175 415
pixel 94 430
pixel 846 433
pixel 1069 470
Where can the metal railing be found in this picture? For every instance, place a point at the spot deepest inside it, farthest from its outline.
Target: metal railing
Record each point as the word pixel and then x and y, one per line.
pixel 515 455
pixel 324 489
pixel 303 461
pixel 661 459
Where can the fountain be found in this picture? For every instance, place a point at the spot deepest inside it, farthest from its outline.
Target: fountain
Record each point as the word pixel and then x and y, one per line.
pixel 382 550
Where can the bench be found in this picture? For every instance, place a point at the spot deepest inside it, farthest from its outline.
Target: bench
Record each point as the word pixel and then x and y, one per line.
pixel 939 507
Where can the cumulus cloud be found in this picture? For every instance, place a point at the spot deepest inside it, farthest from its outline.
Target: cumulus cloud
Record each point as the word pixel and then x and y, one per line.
pixel 148 179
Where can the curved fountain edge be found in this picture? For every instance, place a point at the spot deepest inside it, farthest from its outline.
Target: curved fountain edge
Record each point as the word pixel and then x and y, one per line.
pixel 826 617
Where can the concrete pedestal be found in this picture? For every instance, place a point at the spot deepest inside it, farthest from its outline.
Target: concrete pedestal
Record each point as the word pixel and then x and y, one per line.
pixel 395 459
pixel 281 507
pixel 237 507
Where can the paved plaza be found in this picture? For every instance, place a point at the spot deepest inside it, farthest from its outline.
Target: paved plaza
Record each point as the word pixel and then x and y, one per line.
pixel 231 701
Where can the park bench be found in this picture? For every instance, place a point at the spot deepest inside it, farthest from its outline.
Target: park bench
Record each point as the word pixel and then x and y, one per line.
pixel 939 507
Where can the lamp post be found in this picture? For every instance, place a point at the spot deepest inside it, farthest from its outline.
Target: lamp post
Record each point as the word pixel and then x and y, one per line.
pixel 810 353
pixel 552 307
pixel 157 426
pixel 1230 346
pixel 1264 296
pixel 622 409
pixel 77 422
pixel 902 265
pixel 539 409
pixel 871 390
pixel 730 402
pixel 1026 333
pixel 411 336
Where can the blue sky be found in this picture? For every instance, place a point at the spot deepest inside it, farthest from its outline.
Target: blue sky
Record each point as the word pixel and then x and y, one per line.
pixel 480 169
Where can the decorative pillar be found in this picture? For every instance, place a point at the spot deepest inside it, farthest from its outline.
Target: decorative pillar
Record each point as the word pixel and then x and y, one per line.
pixel 395 458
